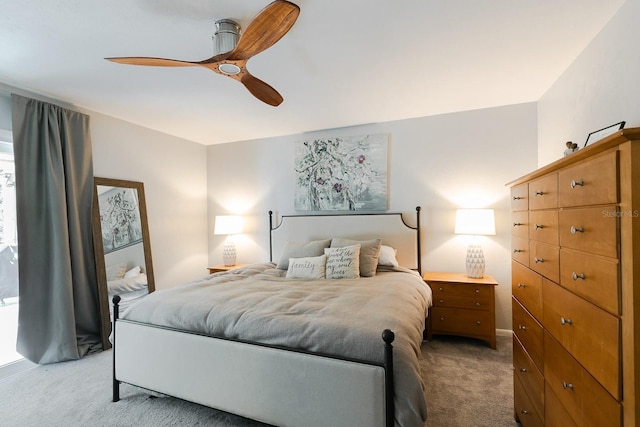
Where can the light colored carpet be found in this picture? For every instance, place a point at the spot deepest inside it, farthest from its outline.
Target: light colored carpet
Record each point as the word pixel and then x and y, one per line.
pixel 468 384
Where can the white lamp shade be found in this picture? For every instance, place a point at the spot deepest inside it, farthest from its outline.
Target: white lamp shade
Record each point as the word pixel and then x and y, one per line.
pixel 475 222
pixel 228 224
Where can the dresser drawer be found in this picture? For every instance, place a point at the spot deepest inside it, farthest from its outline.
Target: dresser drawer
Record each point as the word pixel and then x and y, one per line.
pixel 444 289
pixel 583 398
pixel 524 409
pixel 545 259
pixel 543 226
pixel 543 192
pixel 529 333
pixel 594 230
pixel 594 182
pixel 520 224
pixel 555 415
pixel 520 249
pixel 463 322
pixel 526 286
pixel 592 277
pixel 520 197
pixel 529 376
pixel 589 333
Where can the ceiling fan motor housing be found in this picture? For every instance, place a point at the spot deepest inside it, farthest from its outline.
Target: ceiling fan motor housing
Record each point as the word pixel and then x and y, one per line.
pixel 226 36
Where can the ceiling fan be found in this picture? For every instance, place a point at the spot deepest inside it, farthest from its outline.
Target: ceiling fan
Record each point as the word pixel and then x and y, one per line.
pixel 232 51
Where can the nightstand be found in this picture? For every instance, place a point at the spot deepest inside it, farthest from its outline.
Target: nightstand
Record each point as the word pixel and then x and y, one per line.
pixel 462 306
pixel 222 267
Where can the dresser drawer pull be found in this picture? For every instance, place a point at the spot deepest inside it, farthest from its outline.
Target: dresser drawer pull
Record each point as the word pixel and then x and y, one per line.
pixel 537 260
pixel 477 291
pixel 564 321
pixel 441 301
pixel 566 385
pixel 517 198
pixel 575 183
pixel 522 327
pixel 522 285
pixel 477 304
pixel 517 224
pixel 576 276
pixel 575 230
pixel 539 193
pixel 523 370
pixel 537 226
pixel 477 322
pixel 442 318
pixel 441 289
pixel 524 412
pixel 517 251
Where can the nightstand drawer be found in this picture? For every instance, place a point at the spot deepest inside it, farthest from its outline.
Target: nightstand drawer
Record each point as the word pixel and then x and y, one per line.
pixel 461 302
pixel 463 322
pixel 443 289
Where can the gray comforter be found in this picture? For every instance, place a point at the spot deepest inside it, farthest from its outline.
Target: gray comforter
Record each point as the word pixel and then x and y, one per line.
pixel 339 317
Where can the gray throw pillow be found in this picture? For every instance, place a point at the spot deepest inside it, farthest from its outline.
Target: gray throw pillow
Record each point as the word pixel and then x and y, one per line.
pixel 369 253
pixel 301 250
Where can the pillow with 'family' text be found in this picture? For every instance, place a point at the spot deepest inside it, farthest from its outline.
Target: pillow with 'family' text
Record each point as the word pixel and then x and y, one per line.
pixel 307 268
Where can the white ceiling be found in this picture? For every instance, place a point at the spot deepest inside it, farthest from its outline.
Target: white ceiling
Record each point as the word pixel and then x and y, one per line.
pixel 343 63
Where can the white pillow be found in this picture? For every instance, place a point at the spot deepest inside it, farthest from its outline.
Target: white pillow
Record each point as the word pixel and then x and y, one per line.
pixel 116 272
pixel 388 256
pixel 343 263
pixel 307 268
pixel 132 273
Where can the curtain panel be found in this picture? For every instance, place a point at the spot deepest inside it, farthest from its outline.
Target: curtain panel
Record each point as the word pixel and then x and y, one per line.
pixel 58 317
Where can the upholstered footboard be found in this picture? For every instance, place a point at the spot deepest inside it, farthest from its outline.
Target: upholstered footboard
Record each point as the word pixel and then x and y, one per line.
pixel 275 385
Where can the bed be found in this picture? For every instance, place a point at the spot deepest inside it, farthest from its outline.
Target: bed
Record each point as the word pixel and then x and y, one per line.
pixel 276 343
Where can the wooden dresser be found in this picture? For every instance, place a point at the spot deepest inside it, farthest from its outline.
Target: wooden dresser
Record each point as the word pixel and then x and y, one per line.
pixel 576 310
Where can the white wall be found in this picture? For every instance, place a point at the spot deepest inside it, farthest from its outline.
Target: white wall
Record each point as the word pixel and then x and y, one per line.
pixel 600 88
pixel 440 163
pixel 174 174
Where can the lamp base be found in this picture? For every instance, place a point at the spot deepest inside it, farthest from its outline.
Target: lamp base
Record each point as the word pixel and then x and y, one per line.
pixel 475 261
pixel 229 253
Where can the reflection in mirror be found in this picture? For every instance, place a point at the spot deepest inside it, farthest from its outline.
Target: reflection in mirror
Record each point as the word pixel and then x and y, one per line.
pixel 121 245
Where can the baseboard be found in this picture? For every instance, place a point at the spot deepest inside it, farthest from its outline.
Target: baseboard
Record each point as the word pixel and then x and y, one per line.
pixel 504 332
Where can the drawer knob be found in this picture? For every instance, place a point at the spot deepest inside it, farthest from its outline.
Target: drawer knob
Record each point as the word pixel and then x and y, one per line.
pixel 477 304
pixel 441 289
pixel 477 291
pixel 539 193
pixel 442 318
pixel 441 301
pixel 566 385
pixel 576 276
pixel 517 251
pixel 564 321
pixel 522 327
pixel 477 322
pixel 523 370
pixel 575 183
pixel 524 412
pixel 537 260
pixel 538 226
pixel 517 197
pixel 522 285
pixel 517 224
pixel 575 230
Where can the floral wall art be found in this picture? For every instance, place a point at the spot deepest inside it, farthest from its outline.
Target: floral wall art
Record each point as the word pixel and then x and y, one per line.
pixel 342 174
pixel 119 218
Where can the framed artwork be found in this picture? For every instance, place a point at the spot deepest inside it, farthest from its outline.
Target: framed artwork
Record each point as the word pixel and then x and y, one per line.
pixel 342 174
pixel 119 218
pixel 602 133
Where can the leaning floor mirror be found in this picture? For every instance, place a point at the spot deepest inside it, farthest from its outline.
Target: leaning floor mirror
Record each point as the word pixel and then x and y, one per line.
pixel 121 245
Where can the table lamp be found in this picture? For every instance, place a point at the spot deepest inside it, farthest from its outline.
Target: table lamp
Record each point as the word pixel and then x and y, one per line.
pixel 475 222
pixel 229 225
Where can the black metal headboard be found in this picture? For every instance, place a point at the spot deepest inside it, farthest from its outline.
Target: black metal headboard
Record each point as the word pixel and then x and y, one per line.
pixel 418 252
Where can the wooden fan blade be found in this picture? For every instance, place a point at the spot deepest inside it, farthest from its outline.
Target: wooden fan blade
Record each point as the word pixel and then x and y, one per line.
pixel 271 24
pixel 153 62
pixel 261 90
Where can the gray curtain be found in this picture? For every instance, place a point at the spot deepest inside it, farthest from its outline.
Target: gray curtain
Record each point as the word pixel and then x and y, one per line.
pixel 58 317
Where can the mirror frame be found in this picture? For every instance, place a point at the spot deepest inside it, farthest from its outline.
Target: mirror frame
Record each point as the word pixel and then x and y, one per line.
pixel 98 248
